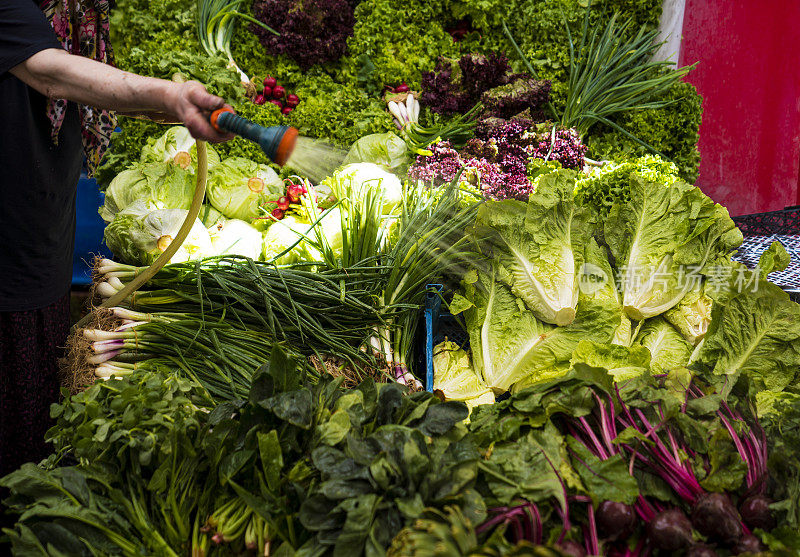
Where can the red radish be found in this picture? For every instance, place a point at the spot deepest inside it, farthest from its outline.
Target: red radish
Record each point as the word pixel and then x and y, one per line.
pixel 267 92
pixel 402 88
pixel 294 191
pixel 278 92
pixel 277 213
pixel 260 99
pixel 287 109
pixel 277 103
pixel 270 82
pixel 283 203
pixel 292 100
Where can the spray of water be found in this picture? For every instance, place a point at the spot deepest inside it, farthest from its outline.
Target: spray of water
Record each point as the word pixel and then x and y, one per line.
pixel 315 159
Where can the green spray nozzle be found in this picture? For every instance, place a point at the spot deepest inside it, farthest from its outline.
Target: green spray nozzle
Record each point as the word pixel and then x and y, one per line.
pixel 277 142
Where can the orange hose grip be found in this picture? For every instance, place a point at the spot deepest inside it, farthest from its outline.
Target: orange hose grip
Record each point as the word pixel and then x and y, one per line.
pixel 215 115
pixel 286 146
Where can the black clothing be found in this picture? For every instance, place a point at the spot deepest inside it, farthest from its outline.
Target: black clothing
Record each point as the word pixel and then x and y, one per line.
pixel 29 352
pixel 38 178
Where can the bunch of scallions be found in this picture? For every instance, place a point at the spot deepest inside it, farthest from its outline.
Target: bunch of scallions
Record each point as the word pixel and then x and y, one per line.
pixel 215 25
pixel 216 319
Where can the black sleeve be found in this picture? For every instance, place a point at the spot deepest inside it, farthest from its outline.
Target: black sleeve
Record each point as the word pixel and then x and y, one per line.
pixel 24 31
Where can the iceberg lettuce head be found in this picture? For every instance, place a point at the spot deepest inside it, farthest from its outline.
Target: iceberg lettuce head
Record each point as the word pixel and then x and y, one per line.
pixel 137 236
pixel 238 186
pixel 236 237
pixel 354 180
pixel 177 146
pixel 385 149
pixel 158 185
pixel 289 234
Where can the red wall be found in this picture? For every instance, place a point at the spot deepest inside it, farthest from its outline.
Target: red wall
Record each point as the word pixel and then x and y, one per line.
pixel 749 76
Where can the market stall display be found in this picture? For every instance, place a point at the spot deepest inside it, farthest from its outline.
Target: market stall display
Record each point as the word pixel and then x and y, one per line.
pixel 610 379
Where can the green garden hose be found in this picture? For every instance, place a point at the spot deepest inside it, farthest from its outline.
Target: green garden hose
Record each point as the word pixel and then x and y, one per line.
pixel 163 259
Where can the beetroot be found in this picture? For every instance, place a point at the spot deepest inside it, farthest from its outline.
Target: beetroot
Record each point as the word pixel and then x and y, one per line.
pixel 747 544
pixel 670 530
pixel 270 82
pixel 701 550
pixel 277 103
pixel 714 516
pixel 571 548
pixel 277 213
pixel 292 100
pixel 756 513
pixel 267 92
pixel 278 92
pixel 259 99
pixel 615 521
pixel 286 110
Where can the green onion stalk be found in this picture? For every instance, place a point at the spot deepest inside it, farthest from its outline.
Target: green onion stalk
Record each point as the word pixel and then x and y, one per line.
pixel 215 25
pixel 457 131
pixel 431 245
pixel 235 524
pixel 611 74
pixel 216 354
pixel 324 311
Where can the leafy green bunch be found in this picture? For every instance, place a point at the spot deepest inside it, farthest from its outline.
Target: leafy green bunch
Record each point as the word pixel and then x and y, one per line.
pixel 341 471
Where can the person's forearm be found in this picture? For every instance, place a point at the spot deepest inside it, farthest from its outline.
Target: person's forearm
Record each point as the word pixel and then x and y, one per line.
pixel 60 75
pixel 57 74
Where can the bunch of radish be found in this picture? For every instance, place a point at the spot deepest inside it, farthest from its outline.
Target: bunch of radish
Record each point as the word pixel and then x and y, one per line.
pixel 291 197
pixel 274 93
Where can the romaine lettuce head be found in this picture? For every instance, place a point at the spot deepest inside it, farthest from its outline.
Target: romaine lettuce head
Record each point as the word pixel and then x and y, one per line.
pixel 385 149
pixel 754 336
pixel 137 236
pixel 692 316
pixel 597 279
pixel 509 344
pixel 238 186
pixel 177 146
pixel 158 185
pixel 668 349
pixel 455 378
pixel 622 362
pixel 236 237
pixel 354 180
pixel 662 236
pixel 539 246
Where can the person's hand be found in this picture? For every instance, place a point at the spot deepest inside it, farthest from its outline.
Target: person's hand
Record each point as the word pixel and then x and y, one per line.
pixel 193 105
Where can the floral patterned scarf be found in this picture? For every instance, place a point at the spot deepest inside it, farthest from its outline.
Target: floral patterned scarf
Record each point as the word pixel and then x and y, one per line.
pixel 82 28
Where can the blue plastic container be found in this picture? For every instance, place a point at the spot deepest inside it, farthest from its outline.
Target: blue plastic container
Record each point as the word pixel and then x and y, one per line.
pixel 439 325
pixel 88 231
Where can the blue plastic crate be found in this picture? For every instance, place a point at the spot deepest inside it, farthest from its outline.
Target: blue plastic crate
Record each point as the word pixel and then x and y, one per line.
pixel 439 325
pixel 88 231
